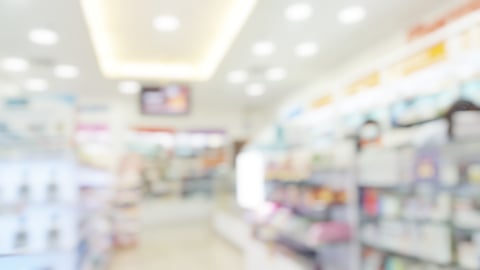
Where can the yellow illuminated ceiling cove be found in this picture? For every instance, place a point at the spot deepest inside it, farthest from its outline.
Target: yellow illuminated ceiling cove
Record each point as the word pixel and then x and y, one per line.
pixel 127 45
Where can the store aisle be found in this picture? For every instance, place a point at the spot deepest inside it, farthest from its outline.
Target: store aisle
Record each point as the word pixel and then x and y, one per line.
pixel 178 245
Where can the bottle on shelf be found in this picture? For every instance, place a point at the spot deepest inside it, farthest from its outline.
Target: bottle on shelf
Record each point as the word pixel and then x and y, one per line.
pixel 53 235
pixel 24 188
pixel 52 188
pixel 21 237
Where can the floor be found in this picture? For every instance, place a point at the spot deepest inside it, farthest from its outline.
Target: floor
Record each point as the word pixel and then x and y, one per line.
pixel 178 243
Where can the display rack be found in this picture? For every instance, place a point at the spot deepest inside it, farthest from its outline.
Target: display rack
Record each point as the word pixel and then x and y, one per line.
pixel 46 218
pixel 310 218
pixel 95 156
pixel 179 163
pixel 95 228
pixel 127 196
pixel 418 203
pixel 415 118
pixel 38 187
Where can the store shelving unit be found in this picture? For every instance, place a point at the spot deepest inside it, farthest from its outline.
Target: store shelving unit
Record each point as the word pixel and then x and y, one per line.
pixel 38 187
pixel 95 228
pixel 426 217
pixel 127 196
pixel 417 175
pixel 45 221
pixel 310 220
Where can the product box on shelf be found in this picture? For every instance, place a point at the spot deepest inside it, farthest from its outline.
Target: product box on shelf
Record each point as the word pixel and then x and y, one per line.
pixel 310 215
pixel 411 223
pixel 39 191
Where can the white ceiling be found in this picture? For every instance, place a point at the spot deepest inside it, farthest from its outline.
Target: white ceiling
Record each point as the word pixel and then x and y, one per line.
pixel 191 43
pixel 128 45
pixel 338 43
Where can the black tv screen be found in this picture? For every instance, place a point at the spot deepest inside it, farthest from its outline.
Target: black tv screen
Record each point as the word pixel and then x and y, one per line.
pixel 166 100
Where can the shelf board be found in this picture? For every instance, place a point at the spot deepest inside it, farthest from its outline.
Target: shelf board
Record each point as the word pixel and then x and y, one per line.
pixel 421 122
pixel 470 230
pixel 462 185
pixel 308 213
pixel 307 182
pixel 406 255
pixel 403 219
pixel 314 215
pixel 38 253
pixel 448 223
pixel 296 246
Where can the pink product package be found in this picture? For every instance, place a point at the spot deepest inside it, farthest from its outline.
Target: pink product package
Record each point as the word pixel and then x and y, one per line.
pixel 330 232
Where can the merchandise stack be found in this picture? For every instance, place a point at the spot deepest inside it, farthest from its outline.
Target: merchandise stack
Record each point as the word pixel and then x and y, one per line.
pixel 38 187
pixel 50 217
pixel 95 181
pixel 127 196
pixel 178 163
pixel 310 200
pixel 95 208
pixel 418 196
pixel 413 179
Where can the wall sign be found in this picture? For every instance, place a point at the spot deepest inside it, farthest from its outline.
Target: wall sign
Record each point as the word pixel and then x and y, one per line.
pixel 367 82
pixel 423 59
pixel 424 29
pixel 322 102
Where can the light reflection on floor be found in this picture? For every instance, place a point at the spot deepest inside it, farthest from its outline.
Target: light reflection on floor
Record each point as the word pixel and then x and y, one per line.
pixel 182 245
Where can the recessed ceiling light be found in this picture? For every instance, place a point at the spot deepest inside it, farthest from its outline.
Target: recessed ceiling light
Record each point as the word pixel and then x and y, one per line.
pixel 238 76
pixel 299 12
pixel 276 74
pixel 352 15
pixel 66 71
pixel 306 49
pixel 129 87
pixel 9 89
pixel 43 36
pixel 263 48
pixel 166 23
pixel 255 90
pixel 15 64
pixel 36 85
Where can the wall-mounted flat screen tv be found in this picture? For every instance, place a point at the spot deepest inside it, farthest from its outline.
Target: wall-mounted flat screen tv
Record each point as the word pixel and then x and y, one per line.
pixel 165 100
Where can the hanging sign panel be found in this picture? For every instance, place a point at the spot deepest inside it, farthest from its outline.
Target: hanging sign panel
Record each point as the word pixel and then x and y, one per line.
pixel 322 102
pixel 421 60
pixel 424 29
pixel 367 82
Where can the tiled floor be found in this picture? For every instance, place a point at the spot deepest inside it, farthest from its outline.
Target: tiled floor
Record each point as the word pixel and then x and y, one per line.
pixel 183 245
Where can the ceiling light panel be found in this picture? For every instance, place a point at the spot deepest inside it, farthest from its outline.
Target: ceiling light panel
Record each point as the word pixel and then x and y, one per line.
pixel 36 85
pixel 129 87
pixel 255 90
pixel 352 15
pixel 14 64
pixel 9 89
pixel 135 49
pixel 43 36
pixel 276 74
pixel 237 76
pixel 306 49
pixel 263 48
pixel 299 12
pixel 66 71
pixel 166 23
